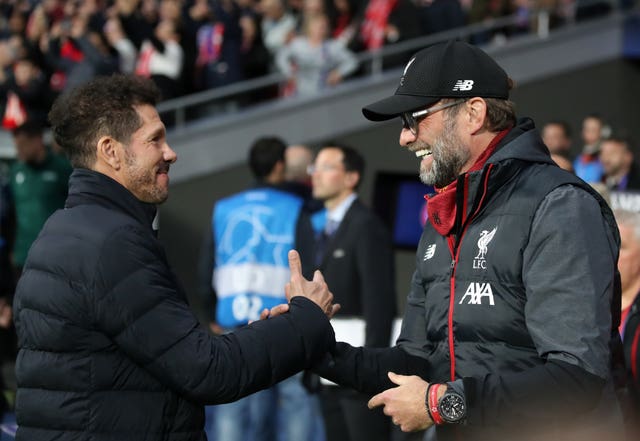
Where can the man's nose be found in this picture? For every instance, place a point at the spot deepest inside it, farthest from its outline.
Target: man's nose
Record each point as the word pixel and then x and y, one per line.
pixel 407 137
pixel 169 155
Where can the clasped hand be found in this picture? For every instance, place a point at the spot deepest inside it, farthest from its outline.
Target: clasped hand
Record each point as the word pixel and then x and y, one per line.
pixel 405 404
pixel 315 290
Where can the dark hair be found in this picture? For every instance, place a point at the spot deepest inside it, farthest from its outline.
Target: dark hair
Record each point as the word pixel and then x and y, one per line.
pixel 264 154
pixel 566 128
pixel 501 114
pixel 31 128
pixel 352 160
pixel 101 107
pixel 621 137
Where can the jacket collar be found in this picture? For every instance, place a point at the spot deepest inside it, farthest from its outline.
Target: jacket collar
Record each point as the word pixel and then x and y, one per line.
pixel 89 187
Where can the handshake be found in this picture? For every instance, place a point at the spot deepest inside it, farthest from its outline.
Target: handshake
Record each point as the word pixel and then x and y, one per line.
pixel 315 290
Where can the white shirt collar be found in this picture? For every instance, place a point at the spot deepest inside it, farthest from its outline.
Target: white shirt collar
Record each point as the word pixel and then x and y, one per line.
pixel 337 214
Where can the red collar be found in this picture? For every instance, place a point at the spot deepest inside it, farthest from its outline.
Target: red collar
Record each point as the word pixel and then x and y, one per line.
pixel 441 207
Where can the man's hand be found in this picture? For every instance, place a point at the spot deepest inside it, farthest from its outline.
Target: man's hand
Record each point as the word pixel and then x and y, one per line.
pixel 215 328
pixel 6 314
pixel 274 312
pixel 405 404
pixel 315 290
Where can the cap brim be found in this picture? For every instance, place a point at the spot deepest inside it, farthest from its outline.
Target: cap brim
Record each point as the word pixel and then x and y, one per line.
pixel 395 105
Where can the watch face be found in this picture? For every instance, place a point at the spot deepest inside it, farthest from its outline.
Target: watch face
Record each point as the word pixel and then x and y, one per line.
pixel 452 408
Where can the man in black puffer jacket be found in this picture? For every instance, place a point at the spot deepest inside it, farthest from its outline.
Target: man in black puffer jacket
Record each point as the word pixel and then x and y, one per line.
pixel 109 349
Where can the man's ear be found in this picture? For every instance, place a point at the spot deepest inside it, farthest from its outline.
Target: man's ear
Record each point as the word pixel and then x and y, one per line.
pixel 109 152
pixel 476 114
pixel 352 178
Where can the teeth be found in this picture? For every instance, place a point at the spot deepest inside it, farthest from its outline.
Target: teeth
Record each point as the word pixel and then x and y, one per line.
pixel 423 152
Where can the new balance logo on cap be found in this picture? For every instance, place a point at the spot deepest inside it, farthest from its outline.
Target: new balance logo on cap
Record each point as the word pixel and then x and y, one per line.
pixel 450 69
pixel 463 85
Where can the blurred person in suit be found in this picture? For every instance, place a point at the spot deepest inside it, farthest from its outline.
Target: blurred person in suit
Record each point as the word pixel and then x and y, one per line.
pixel 355 254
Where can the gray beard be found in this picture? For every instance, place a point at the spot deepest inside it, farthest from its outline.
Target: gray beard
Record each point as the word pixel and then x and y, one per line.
pixel 449 156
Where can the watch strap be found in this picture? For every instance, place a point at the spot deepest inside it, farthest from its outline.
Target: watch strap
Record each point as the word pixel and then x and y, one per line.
pixel 432 404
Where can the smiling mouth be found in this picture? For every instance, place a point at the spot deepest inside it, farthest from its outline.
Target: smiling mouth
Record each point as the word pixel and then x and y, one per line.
pixel 422 153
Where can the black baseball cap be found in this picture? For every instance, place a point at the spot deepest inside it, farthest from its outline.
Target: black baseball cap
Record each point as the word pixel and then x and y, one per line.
pixel 451 69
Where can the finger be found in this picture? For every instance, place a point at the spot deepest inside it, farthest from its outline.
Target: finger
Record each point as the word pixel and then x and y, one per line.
pixel 334 308
pixel 287 291
pixel 375 401
pixel 278 309
pixel 318 277
pixel 295 266
pixel 264 314
pixel 395 378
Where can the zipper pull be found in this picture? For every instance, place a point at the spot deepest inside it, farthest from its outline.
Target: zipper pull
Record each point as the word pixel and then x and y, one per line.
pixel 453 266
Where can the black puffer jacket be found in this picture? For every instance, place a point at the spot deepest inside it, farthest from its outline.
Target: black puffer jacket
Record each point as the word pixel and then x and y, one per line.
pixel 108 346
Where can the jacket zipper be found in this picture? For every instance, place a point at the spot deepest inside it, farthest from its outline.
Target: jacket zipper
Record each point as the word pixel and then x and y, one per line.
pixel 454 248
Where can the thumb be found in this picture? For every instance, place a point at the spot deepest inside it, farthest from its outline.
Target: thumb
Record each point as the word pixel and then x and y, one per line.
pixel 396 379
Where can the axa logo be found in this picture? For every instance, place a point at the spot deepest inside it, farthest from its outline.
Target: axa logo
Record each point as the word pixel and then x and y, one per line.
pixel 431 251
pixel 479 261
pixel 462 85
pixel 476 292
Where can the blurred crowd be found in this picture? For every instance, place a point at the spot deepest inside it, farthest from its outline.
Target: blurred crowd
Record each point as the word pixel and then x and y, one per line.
pixel 186 46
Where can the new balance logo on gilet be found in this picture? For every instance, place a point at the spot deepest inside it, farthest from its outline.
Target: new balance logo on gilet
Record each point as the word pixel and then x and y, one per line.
pixel 463 85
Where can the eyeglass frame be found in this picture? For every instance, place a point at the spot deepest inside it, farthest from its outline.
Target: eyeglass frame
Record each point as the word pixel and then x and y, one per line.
pixel 312 168
pixel 410 121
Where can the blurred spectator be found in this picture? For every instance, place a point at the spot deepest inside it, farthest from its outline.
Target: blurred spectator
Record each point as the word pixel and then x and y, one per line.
pixel 127 52
pixel 560 12
pixel 161 57
pixel 440 15
pixel 629 267
pixel 256 59
pixel 38 187
pixel 587 165
pixel 587 9
pixel 7 229
pixel 77 51
pixel 255 56
pixel 23 87
pixel 71 41
pixel 620 169
pixel 244 261
pixel 386 22
pixel 7 285
pixel 486 10
pixel 313 62
pixel 219 41
pixel 556 135
pixel 297 160
pixel 278 25
pixel 344 17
